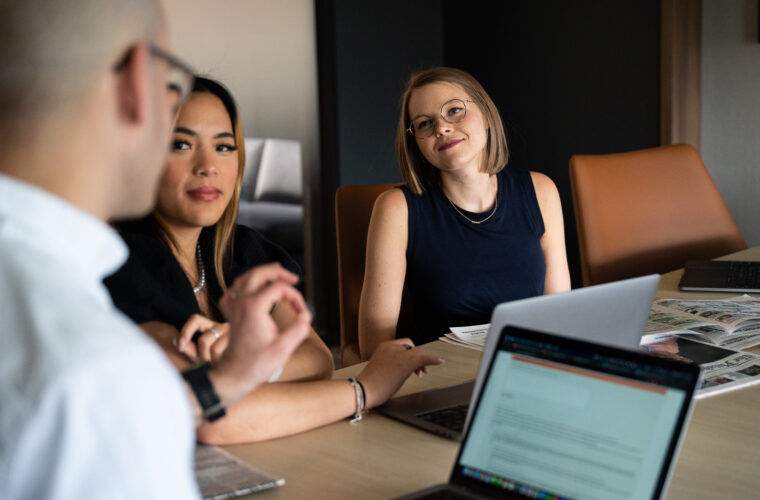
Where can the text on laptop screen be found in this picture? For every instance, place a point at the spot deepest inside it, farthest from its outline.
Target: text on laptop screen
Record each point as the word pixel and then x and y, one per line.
pixel 572 422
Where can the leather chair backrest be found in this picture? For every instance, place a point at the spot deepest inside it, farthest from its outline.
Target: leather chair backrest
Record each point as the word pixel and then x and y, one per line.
pixel 353 208
pixel 647 211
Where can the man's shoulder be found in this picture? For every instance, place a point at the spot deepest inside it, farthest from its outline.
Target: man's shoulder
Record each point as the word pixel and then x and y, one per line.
pixel 59 348
pixel 92 405
pixel 56 327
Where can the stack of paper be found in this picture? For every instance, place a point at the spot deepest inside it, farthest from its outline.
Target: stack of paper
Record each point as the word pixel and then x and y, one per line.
pixel 473 337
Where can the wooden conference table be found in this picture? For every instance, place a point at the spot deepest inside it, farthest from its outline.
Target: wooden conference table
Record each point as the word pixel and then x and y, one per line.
pixel 381 458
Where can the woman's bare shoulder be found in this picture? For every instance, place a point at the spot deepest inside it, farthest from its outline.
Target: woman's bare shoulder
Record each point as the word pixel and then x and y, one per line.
pixel 546 190
pixel 391 204
pixel 542 181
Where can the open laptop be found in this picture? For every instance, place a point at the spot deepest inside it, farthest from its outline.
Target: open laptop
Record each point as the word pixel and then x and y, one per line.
pixel 612 314
pixel 721 276
pixel 563 418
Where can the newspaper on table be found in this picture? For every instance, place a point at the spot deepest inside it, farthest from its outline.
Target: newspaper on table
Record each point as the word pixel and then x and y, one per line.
pixel 733 322
pixel 723 369
pixel 473 337
pixel 221 475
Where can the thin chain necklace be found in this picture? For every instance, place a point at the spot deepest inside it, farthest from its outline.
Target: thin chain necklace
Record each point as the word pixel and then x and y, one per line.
pixel 481 221
pixel 202 269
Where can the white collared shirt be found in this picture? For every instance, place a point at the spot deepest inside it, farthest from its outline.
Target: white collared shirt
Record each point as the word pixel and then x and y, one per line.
pixel 89 406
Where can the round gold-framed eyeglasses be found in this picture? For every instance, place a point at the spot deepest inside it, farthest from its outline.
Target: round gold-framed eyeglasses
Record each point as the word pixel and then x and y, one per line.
pixel 452 111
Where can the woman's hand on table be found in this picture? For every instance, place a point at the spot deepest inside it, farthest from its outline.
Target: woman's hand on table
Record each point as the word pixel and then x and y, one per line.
pixel 390 366
pixel 203 339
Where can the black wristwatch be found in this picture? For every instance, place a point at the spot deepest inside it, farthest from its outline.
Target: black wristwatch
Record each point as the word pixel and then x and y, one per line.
pixel 211 406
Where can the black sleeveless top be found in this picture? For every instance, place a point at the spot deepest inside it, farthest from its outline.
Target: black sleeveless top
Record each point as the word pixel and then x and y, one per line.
pixel 457 271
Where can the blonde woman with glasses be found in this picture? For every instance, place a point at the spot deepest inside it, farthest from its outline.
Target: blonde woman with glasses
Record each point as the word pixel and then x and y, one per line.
pixel 464 233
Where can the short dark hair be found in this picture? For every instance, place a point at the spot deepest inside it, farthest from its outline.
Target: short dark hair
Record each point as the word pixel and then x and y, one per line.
pixel 51 50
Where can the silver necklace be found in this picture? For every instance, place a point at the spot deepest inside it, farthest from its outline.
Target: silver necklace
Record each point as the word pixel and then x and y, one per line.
pixel 481 221
pixel 202 269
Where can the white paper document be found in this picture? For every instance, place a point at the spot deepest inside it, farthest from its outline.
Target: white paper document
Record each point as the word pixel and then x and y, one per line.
pixel 473 337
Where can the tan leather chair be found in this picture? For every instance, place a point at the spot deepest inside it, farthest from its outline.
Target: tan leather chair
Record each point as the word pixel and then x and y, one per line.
pixel 353 208
pixel 647 212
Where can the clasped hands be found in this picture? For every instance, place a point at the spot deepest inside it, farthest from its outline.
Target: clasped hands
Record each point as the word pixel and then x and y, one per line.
pixel 250 347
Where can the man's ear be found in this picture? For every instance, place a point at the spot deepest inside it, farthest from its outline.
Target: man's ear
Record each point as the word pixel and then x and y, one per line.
pixel 132 86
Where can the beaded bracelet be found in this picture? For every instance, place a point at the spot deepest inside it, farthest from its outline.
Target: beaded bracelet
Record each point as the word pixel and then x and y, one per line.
pixel 360 400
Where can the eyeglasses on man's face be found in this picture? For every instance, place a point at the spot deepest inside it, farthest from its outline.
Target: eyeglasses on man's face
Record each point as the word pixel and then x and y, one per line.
pixel 179 76
pixel 452 111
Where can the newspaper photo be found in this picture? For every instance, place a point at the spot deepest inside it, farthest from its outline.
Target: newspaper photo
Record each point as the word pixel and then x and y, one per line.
pixel 733 322
pixel 722 369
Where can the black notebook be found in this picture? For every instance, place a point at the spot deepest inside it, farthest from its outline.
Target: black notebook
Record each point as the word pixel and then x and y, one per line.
pixel 721 276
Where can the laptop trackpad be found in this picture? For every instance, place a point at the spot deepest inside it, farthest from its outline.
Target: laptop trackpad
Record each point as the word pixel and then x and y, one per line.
pixel 414 408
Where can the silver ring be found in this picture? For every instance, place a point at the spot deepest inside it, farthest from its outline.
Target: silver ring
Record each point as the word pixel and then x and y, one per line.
pixel 215 332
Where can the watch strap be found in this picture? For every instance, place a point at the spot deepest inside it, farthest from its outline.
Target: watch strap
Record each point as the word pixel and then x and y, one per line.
pixel 211 406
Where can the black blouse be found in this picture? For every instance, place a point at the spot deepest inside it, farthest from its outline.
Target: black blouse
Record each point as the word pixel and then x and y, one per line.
pixel 151 286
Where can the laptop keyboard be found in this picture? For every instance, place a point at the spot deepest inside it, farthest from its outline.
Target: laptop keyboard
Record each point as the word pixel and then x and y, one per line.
pixel 451 418
pixel 743 275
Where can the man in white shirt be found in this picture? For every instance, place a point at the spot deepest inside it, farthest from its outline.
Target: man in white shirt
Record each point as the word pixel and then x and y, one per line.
pixel 89 407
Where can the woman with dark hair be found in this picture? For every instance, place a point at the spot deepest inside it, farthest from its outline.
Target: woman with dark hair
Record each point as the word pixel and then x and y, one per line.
pixel 185 254
pixel 188 251
pixel 463 234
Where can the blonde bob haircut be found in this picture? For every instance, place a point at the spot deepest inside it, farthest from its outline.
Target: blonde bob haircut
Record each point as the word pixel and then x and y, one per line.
pixel 415 169
pixel 223 236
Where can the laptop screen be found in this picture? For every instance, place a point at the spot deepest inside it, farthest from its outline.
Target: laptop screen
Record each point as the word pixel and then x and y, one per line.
pixel 559 417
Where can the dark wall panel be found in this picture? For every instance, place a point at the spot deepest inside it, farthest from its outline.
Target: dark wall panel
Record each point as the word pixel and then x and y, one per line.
pixel 568 77
pixel 377 46
pixel 366 52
